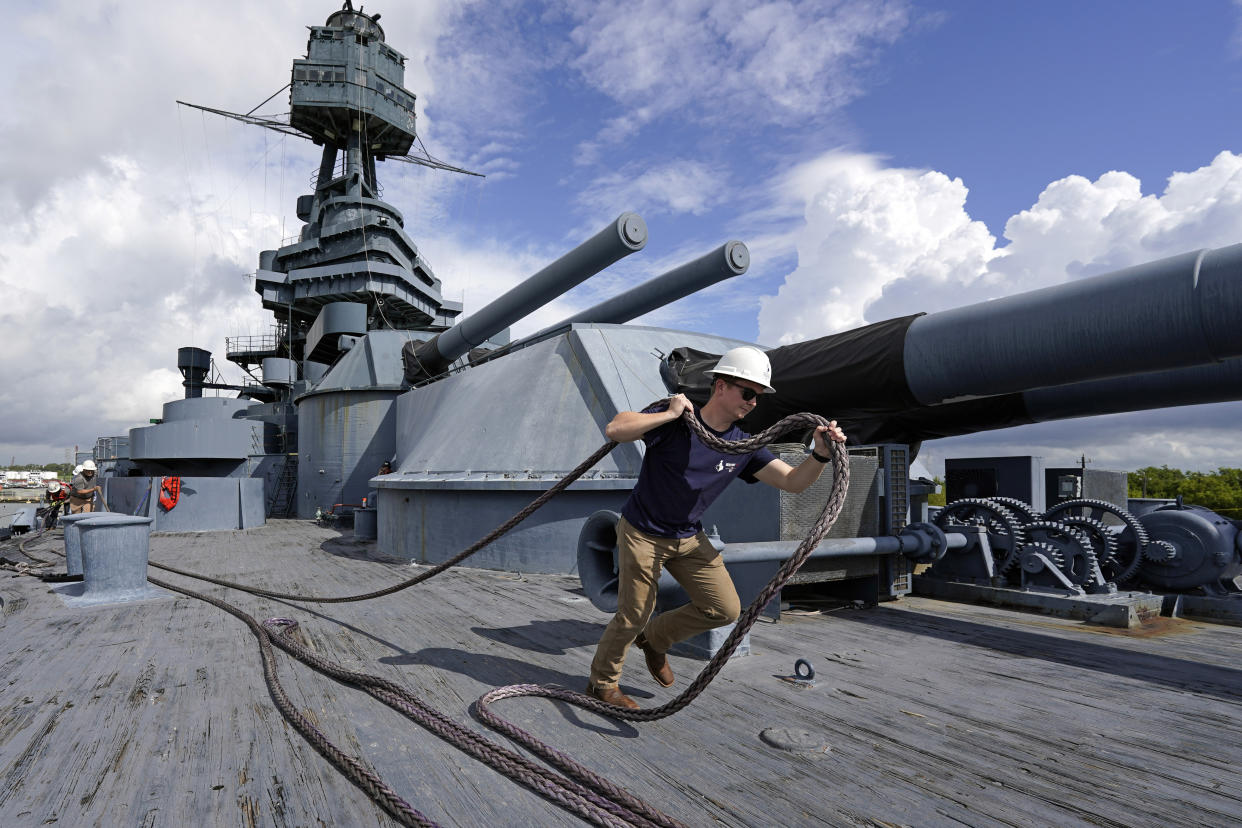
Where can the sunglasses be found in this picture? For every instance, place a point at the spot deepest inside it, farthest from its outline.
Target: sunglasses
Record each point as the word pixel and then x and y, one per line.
pixel 748 394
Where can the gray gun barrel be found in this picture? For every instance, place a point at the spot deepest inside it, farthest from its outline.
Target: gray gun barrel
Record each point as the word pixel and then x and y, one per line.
pixel 1172 313
pixel 1198 385
pixel 730 259
pixel 1216 382
pixel 1048 354
pixel 626 235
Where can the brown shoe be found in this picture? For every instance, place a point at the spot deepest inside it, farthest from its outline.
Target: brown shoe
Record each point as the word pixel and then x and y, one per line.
pixel 657 663
pixel 611 695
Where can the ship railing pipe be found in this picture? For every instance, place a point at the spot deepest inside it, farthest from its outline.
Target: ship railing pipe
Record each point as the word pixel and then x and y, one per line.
pixel 780 551
pixel 1172 313
pixel 750 565
pixel 626 235
pixel 730 259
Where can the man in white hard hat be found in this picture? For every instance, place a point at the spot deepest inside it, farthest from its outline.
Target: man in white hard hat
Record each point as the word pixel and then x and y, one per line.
pixel 82 489
pixel 57 497
pixel 660 529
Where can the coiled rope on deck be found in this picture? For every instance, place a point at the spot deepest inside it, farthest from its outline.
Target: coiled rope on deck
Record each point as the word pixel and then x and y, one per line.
pixel 579 790
pixel 21 567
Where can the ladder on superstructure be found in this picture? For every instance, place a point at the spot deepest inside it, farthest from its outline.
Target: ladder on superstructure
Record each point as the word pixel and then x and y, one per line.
pixel 285 491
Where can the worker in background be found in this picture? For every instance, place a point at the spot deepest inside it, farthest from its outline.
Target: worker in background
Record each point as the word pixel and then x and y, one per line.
pixel 372 497
pixel 659 526
pixel 57 498
pixel 82 489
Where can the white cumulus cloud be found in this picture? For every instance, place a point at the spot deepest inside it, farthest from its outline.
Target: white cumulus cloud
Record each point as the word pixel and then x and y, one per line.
pixel 878 242
pixel 678 186
pixel 866 227
pixel 777 62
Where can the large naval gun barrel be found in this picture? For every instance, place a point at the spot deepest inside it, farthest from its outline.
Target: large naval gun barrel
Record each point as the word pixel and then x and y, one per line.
pixel 975 368
pixel 626 235
pixel 724 262
pixel 1214 382
pixel 730 259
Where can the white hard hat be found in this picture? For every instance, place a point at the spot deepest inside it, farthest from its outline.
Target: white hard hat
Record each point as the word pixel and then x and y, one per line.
pixel 53 486
pixel 77 469
pixel 89 465
pixel 746 363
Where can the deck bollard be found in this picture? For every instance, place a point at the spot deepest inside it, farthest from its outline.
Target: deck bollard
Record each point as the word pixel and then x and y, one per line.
pixel 115 549
pixel 73 543
pixel 365 524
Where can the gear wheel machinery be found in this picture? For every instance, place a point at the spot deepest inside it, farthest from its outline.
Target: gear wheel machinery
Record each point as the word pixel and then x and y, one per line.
pixel 1020 508
pixel 1078 561
pixel 1129 535
pixel 1102 542
pixel 1005 531
pixel 1033 555
pixel 1161 552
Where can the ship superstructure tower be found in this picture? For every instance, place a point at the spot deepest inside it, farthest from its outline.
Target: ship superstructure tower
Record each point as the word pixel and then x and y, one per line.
pixel 346 294
pixel 347 96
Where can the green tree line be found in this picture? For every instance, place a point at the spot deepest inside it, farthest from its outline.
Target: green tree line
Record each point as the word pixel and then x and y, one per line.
pixel 1220 491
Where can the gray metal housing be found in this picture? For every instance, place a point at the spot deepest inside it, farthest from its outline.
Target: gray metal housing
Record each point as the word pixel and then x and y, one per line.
pixel 346 425
pixel 477 446
pixel 206 503
pixel 206 435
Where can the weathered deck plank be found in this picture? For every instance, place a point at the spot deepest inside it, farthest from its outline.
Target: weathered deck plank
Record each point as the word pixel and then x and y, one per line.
pixel 156 712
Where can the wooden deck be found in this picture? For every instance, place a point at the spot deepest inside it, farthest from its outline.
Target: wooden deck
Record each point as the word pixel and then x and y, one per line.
pixel 156 714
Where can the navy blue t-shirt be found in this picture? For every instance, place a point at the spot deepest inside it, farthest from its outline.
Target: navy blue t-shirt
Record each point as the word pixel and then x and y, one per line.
pixel 680 477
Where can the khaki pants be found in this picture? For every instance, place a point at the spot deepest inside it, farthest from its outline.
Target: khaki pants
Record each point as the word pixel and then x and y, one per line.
pixel 697 567
pixel 78 506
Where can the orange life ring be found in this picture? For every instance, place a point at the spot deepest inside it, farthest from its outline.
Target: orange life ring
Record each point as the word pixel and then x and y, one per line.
pixel 170 490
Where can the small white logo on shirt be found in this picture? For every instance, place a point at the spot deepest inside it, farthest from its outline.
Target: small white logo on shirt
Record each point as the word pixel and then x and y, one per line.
pixel 722 465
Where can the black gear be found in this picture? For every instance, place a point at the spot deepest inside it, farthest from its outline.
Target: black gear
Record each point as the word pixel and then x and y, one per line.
pixel 1033 564
pixel 1078 561
pixel 1021 509
pixel 1160 552
pixel 1005 533
pixel 1130 541
pixel 1099 543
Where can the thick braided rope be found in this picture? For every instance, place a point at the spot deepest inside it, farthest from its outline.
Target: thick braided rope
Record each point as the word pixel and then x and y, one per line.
pixel 23 545
pixel 588 795
pixel 367 780
pixel 577 793
pixel 21 567
pixel 500 530
pixel 832 509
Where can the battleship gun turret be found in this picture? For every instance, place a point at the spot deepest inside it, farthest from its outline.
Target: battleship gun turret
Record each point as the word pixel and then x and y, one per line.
pixel 426 360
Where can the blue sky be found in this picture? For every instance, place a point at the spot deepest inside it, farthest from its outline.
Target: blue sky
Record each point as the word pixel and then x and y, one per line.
pixel 1012 96
pixel 878 158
